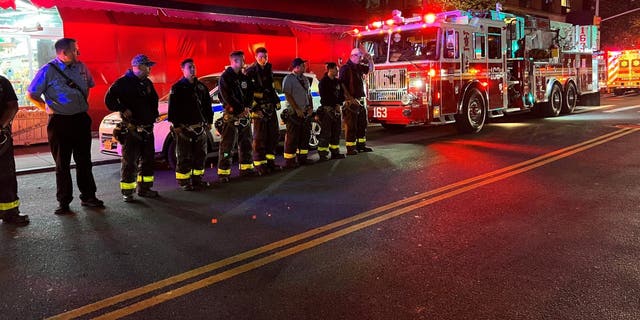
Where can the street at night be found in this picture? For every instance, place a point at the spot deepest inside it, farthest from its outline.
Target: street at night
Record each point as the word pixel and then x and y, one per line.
pixel 532 218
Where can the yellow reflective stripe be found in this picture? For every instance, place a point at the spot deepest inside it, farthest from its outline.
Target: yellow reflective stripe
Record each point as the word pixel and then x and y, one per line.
pixel 271 156
pixel 303 151
pixel 224 172
pixel 127 185
pixel 197 172
pixel 350 144
pixel 259 163
pixel 183 176
pixel 145 178
pixel 362 140
pixel 334 146
pixel 289 155
pixel 246 166
pixel 9 205
pixel 323 149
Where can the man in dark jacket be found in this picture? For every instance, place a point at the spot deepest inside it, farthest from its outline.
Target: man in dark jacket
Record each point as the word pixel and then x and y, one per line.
pixel 331 99
pixel 266 131
pixel 191 115
pixel 236 95
pixel 355 115
pixel 9 202
pixel 134 96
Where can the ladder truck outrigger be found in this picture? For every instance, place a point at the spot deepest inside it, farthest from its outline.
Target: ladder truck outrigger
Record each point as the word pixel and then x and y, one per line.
pixel 464 67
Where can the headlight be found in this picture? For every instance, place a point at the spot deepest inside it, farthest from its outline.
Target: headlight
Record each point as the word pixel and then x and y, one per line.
pixel 416 83
pixel 407 99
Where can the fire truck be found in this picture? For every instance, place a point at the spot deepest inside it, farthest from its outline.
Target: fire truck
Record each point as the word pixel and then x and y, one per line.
pixel 465 67
pixel 623 71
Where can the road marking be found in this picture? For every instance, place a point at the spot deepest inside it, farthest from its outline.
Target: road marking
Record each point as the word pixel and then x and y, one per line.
pixel 421 199
pixel 622 109
pixel 583 109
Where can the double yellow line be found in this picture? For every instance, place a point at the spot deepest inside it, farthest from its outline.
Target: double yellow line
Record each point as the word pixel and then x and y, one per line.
pixel 346 226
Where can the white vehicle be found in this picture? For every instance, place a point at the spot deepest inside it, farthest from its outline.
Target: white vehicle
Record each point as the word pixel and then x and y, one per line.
pixel 165 145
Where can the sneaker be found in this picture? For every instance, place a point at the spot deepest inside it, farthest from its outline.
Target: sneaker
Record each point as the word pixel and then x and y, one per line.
pixel 92 203
pixel 187 187
pixel 147 193
pixel 63 209
pixel 16 219
pixel 128 198
pixel 337 156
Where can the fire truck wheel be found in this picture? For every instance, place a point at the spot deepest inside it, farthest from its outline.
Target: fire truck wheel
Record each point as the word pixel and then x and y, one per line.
pixel 570 98
pixel 554 106
pixel 473 114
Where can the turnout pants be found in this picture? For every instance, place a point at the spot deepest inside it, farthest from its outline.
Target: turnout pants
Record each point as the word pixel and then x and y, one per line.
pixel 191 153
pixel 296 139
pixel 266 134
pixel 9 201
pixel 138 153
pixel 235 133
pixel 330 124
pixel 71 135
pixel 355 119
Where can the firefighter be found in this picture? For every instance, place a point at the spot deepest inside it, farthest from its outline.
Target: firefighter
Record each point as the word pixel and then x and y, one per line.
pixel 331 99
pixel 266 131
pixel 9 202
pixel 191 116
pixel 355 114
pixel 236 94
pixel 296 90
pixel 134 96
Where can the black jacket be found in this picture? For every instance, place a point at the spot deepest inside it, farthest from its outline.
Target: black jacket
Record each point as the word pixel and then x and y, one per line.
pixel 331 92
pixel 235 91
pixel 262 83
pixel 186 99
pixel 132 93
pixel 351 75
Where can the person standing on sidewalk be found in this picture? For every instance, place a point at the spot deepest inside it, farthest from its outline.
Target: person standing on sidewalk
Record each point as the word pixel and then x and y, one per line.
pixel 266 131
pixel 236 95
pixel 9 201
pixel 355 114
pixel 331 99
pixel 134 96
pixel 297 91
pixel 191 117
pixel 65 84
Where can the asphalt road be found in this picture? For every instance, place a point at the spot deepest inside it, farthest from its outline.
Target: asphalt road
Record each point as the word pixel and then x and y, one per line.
pixel 530 219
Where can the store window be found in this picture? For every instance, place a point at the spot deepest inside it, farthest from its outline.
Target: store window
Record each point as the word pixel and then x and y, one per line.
pixel 26 43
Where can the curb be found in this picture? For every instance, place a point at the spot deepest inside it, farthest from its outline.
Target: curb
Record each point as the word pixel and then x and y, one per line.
pixel 53 168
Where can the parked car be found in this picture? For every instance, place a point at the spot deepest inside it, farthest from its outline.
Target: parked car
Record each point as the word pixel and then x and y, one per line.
pixel 165 145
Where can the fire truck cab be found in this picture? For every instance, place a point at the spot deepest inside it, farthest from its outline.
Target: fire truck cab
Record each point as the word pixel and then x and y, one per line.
pixel 464 67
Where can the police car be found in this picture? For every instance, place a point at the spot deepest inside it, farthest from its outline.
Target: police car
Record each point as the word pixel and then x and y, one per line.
pixel 165 145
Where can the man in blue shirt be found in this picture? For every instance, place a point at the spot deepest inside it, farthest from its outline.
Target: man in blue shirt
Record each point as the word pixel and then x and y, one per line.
pixel 65 84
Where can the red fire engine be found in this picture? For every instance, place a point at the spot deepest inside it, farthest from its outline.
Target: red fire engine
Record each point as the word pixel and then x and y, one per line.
pixel 464 67
pixel 623 71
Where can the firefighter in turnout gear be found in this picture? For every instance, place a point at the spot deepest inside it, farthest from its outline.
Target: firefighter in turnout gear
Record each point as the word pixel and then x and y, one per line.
pixel 191 115
pixel 296 90
pixel 9 201
pixel 236 94
pixel 331 99
pixel 355 114
pixel 266 131
pixel 134 96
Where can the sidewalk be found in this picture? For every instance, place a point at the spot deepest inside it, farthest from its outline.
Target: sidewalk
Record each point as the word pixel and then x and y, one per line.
pixel 37 158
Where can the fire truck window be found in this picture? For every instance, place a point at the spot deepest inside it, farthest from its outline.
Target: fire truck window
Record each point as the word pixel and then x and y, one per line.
pixel 451 45
pixel 478 46
pixel 420 44
pixel 495 46
pixel 376 46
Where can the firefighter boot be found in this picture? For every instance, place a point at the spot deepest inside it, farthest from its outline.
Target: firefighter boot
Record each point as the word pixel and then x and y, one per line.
pixel 361 147
pixel 351 150
pixel 304 161
pixel 324 156
pixel 261 170
pixel 291 163
pixel 272 166
pixel 335 154
pixel 198 183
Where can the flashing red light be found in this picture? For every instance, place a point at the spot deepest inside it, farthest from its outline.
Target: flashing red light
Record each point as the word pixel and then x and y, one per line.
pixel 390 22
pixel 377 24
pixel 484 83
pixel 430 18
pixel 432 73
pixel 356 31
pixel 438 95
